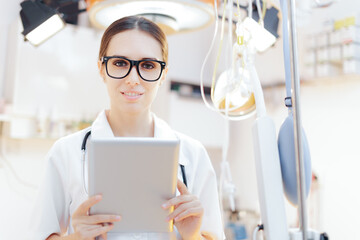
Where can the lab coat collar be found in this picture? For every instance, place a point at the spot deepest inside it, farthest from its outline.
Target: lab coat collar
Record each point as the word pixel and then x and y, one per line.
pixel 101 129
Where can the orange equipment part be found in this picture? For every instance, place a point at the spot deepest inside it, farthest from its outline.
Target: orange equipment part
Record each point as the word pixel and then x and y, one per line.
pixel 90 3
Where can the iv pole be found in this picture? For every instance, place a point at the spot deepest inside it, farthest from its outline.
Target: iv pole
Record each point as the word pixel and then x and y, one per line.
pixel 300 171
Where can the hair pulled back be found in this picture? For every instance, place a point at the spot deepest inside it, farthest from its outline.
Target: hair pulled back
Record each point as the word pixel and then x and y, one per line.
pixel 131 23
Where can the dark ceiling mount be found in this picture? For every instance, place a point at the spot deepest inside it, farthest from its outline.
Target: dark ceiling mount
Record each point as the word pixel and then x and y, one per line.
pixel 33 14
pixel 271 19
pixel 69 9
pixel 42 19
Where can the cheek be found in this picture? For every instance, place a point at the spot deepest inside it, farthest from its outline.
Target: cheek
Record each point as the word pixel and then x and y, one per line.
pixel 151 93
pixel 153 89
pixel 112 86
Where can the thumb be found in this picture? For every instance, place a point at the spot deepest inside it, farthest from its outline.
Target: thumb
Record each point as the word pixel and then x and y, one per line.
pixel 182 188
pixel 86 205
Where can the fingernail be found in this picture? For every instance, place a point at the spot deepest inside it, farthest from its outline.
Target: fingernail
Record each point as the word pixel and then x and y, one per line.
pixel 167 219
pixel 176 218
pixel 98 197
pixel 164 205
pixel 118 217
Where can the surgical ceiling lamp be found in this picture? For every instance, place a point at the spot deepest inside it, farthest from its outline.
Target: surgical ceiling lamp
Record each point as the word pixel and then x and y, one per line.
pixel 172 16
pixel 40 21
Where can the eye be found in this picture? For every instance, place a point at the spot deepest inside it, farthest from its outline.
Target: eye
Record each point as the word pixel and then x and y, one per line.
pixel 148 65
pixel 120 63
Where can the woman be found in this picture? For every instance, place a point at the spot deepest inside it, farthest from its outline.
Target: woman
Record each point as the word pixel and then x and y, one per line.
pixel 132 62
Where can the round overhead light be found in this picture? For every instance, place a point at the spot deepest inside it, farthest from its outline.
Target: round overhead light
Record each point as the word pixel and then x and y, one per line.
pixel 172 16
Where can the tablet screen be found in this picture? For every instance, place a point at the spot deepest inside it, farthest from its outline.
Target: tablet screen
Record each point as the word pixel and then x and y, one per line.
pixel 135 176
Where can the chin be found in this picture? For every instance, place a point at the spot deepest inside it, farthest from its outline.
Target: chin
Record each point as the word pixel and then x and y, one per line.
pixel 132 109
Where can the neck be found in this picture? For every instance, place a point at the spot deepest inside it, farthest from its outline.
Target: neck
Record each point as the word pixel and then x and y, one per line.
pixel 127 125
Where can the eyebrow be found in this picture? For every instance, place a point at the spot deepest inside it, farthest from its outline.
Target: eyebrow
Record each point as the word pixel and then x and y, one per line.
pixel 145 58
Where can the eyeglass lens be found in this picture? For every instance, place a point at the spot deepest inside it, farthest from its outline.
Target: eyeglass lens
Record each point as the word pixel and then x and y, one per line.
pixel 148 70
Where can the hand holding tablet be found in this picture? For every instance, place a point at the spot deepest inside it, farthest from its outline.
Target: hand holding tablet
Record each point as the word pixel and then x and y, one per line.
pixel 87 226
pixel 188 212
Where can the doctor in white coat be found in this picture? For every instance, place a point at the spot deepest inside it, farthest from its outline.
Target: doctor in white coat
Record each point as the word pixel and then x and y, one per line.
pixel 132 62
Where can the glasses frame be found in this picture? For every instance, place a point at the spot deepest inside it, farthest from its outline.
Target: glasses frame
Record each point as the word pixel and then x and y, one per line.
pixel 133 63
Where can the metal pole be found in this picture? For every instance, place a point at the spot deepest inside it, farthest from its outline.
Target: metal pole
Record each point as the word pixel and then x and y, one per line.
pixel 300 172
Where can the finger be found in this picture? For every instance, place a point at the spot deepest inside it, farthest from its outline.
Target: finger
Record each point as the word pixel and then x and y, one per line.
pixel 104 236
pixel 198 211
pixel 86 205
pixel 98 219
pixel 86 231
pixel 182 187
pixel 87 228
pixel 101 230
pixel 178 200
pixel 182 208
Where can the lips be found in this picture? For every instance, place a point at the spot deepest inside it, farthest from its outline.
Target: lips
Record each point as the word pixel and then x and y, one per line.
pixel 132 95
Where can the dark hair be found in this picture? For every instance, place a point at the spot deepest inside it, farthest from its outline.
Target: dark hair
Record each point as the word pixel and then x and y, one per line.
pixel 134 22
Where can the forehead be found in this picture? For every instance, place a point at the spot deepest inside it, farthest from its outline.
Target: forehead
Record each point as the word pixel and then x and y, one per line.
pixel 134 44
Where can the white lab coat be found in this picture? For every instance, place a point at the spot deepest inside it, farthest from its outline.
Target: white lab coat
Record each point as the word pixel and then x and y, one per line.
pixel 61 191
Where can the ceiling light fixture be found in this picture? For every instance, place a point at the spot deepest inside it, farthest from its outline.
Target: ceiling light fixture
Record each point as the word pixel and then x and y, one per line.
pixel 40 22
pixel 42 19
pixel 172 16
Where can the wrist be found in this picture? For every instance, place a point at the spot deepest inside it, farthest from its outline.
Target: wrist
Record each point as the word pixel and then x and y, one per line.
pixel 72 236
pixel 68 237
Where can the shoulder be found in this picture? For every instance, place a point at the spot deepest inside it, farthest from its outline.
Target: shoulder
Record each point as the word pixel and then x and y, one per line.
pixel 188 145
pixel 193 153
pixel 189 142
pixel 69 144
pixel 72 138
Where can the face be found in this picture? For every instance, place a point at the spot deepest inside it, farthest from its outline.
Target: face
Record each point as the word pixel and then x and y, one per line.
pixel 132 95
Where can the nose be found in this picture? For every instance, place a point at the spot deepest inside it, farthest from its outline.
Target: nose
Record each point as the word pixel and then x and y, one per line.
pixel 133 78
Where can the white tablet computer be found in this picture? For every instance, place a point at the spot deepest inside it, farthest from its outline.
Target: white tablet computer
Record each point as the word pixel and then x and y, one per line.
pixel 135 176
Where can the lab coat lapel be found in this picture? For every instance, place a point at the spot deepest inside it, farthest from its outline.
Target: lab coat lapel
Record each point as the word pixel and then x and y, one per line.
pixel 163 131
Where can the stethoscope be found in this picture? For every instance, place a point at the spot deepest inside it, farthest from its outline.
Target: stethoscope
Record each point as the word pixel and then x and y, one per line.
pixel 83 150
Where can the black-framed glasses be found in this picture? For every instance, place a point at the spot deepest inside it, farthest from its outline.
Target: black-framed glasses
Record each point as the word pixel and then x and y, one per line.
pixel 149 70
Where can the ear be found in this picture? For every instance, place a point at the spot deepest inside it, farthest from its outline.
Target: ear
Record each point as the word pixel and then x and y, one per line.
pixel 164 74
pixel 101 68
